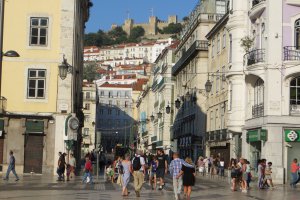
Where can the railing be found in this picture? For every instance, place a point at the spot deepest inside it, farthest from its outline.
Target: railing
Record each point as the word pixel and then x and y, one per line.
pixel 291 53
pixel 255 56
pixel 295 109
pixel 159 143
pixel 153 139
pixel 156 70
pixel 198 45
pixel 257 110
pixel 255 2
pixel 3 102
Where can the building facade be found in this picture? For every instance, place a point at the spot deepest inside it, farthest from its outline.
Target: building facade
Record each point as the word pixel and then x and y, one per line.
pixel 89 111
pixel 43 105
pixel 218 142
pixel 190 71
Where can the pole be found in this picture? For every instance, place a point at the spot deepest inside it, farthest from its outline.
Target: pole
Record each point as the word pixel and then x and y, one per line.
pixel 1 39
pixel 125 134
pixel 98 164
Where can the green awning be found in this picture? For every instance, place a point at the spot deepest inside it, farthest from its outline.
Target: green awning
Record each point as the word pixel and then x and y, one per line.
pixel 292 135
pixel 257 135
pixel 34 126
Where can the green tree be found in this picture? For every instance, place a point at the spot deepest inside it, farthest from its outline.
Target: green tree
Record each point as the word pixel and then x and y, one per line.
pixel 172 28
pixel 92 39
pixel 90 72
pixel 117 35
pixel 136 33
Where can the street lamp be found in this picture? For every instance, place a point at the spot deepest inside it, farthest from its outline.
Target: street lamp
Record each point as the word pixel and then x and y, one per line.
pixel 159 114
pixel 168 109
pixel 152 117
pixel 208 86
pixel 177 103
pixel 64 68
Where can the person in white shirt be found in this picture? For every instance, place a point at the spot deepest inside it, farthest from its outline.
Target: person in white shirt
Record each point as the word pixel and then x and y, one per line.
pixel 72 163
pixel 222 165
pixel 139 171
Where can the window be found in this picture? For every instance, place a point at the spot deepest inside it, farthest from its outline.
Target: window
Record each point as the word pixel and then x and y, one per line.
pixel 118 112
pixel 38 31
pixel 86 118
pixel 118 103
pixel 259 92
pixel 87 106
pixel 217 80
pixel 223 77
pixel 295 91
pixel 102 93
pixel 224 39
pixel 230 48
pixel 110 103
pixel 36 84
pixel 213 48
pixel 109 111
pixel 86 131
pixel 110 95
pixel 297 34
pixel 88 95
pixel 101 112
pixel 126 104
pixel 218 43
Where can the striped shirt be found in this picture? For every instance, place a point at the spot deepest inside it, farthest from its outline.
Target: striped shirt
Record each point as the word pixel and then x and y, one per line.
pixel 175 166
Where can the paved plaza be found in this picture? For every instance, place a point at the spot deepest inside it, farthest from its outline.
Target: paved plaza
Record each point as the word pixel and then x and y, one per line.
pixel 39 187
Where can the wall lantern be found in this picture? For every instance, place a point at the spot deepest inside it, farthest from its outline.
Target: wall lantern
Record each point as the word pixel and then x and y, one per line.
pixel 177 103
pixel 11 53
pixel 64 69
pixel 168 109
pixel 159 114
pixel 152 117
pixel 208 86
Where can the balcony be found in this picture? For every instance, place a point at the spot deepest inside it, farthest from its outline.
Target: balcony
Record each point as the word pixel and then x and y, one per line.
pixel 258 7
pixel 291 53
pixel 159 144
pixel 156 70
pixel 153 139
pixel 198 45
pixel 258 110
pixel 253 57
pixel 3 102
pixel 294 109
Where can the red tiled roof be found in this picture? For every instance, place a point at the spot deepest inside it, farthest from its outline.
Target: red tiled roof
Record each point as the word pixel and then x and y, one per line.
pixel 116 85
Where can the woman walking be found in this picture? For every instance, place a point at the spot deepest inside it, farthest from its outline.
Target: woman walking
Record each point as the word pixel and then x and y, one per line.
pixel 127 170
pixel 201 165
pixel 234 173
pixel 294 170
pixel 188 173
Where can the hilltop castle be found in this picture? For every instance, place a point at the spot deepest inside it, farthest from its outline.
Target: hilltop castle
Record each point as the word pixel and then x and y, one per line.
pixel 151 28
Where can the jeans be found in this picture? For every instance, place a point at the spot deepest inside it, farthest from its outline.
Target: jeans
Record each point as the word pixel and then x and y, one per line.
pixel 138 180
pixel 294 177
pixel 9 169
pixel 221 170
pixel 177 185
pixel 298 178
pixel 85 175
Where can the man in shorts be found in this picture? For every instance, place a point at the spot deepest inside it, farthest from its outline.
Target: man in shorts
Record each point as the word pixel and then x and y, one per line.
pixel 162 168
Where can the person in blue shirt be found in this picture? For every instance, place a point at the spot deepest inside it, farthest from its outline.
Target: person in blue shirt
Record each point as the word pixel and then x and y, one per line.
pixel 175 168
pixel 11 166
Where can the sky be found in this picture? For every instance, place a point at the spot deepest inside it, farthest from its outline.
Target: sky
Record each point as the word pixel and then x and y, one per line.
pixel 106 12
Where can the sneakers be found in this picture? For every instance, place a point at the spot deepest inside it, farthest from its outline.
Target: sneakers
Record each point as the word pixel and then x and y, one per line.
pixel 17 179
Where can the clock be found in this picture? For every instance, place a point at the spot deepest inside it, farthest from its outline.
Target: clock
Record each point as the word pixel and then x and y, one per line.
pixel 73 123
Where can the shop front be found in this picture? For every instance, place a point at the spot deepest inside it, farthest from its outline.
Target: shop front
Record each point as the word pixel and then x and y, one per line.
pixel 292 139
pixel 255 139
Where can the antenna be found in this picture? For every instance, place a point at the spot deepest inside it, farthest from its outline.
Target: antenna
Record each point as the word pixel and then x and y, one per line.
pixel 152 12
pixel 128 14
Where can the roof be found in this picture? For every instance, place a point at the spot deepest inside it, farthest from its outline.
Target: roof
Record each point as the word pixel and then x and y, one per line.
pixel 221 23
pixel 108 85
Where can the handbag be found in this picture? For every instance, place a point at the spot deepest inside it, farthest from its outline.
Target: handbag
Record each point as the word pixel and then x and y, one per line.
pixel 201 169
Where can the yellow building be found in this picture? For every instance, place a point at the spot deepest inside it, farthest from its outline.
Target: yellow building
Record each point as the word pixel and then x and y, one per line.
pixel 42 105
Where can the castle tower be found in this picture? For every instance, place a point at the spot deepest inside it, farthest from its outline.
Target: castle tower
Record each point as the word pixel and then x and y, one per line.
pixel 172 19
pixel 152 25
pixel 128 26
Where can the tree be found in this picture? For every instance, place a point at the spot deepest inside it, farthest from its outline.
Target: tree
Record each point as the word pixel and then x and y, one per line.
pixel 172 28
pixel 136 33
pixel 90 72
pixel 92 39
pixel 118 35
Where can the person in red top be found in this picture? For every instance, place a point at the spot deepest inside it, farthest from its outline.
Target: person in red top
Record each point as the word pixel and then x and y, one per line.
pixel 294 173
pixel 87 177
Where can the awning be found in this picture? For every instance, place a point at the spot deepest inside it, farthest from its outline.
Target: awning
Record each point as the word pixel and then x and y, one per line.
pixel 35 127
pixel 257 135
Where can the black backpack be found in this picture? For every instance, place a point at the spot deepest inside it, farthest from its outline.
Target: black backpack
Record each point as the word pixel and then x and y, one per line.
pixel 136 164
pixel 121 168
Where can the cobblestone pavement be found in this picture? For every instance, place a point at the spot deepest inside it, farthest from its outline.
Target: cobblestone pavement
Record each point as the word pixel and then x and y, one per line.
pixel 44 188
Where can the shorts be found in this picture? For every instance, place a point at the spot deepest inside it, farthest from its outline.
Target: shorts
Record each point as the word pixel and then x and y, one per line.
pixel 160 173
pixel 152 174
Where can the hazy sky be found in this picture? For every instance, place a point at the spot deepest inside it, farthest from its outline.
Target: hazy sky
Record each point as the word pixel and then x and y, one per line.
pixel 106 12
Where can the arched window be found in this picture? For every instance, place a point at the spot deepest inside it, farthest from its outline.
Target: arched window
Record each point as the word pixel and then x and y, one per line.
pixel 297 34
pixel 259 92
pixel 295 91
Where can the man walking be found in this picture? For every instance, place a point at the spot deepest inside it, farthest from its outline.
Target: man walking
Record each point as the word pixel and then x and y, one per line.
pixel 139 171
pixel 175 168
pixel 11 166
pixel 162 168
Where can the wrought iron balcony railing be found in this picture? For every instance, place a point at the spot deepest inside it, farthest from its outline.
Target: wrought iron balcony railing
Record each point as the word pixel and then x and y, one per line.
pixel 257 110
pixel 255 56
pixel 291 53
pixel 255 2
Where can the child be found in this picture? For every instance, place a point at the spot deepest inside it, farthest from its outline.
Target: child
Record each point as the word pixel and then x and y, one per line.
pixel 110 173
pixel 268 175
pixel 68 172
pixel 153 167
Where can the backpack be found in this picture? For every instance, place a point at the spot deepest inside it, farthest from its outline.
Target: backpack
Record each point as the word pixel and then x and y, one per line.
pixel 136 164
pixel 121 169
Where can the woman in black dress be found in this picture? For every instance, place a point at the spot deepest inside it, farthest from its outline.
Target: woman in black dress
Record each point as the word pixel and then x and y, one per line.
pixel 188 172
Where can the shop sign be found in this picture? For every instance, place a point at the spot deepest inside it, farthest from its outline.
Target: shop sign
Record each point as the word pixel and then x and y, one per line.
pixel 292 135
pixel 256 135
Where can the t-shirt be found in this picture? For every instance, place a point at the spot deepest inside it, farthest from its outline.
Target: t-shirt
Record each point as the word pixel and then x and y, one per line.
pixel 88 165
pixel 161 162
pixel 142 161
pixel 222 163
pixel 153 166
